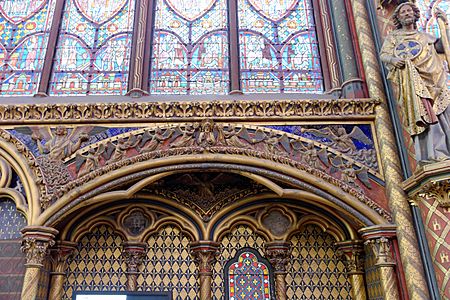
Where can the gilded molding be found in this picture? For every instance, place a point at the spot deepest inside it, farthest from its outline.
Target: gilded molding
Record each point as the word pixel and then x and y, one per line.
pixel 176 111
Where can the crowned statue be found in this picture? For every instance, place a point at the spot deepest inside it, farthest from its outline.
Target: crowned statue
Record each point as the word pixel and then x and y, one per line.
pixel 418 64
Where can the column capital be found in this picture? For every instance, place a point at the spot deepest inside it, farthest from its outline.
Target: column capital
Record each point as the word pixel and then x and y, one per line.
pixel 279 255
pixel 205 253
pixel 36 241
pixel 134 253
pixel 59 255
pixel 353 252
pixel 381 247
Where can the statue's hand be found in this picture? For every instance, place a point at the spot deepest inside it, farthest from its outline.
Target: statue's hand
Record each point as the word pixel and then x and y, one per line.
pixel 440 14
pixel 398 62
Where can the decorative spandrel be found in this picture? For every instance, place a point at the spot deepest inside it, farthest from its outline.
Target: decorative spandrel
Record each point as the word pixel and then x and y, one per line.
pixel 94 48
pixel 24 30
pixel 12 221
pixel 248 278
pixel 279 47
pixel 190 48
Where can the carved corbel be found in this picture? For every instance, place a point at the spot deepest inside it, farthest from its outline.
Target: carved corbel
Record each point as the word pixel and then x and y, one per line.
pixel 438 190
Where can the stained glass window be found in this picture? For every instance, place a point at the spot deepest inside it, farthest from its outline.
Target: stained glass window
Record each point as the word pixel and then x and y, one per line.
pixel 93 51
pixel 278 47
pixel 24 31
pixel 190 48
pixel 428 21
pixel 248 277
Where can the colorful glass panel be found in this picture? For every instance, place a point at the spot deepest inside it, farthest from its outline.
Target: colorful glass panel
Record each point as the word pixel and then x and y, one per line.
pixel 94 47
pixel 428 21
pixel 248 278
pixel 278 47
pixel 24 31
pixel 190 48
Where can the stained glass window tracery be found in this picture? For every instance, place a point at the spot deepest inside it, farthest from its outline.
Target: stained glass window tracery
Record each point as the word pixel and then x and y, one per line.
pixel 190 48
pixel 248 277
pixel 24 32
pixel 428 21
pixel 94 48
pixel 278 47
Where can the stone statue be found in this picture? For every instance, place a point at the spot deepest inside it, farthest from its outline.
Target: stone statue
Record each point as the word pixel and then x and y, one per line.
pixel 414 64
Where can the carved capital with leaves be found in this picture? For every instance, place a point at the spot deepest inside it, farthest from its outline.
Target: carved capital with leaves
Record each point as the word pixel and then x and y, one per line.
pixel 353 253
pixel 279 255
pixel 205 253
pixel 381 247
pixel 134 253
pixel 36 242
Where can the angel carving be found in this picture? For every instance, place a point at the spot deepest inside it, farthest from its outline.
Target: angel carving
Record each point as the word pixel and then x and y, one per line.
pixel 340 139
pixel 348 173
pixel 115 153
pixel 310 155
pixel 88 163
pixel 59 144
pixel 187 136
pixel 230 136
pixel 151 142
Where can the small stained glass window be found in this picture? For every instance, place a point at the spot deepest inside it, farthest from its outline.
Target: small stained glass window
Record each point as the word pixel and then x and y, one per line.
pixel 24 32
pixel 94 48
pixel 278 47
pixel 190 48
pixel 248 277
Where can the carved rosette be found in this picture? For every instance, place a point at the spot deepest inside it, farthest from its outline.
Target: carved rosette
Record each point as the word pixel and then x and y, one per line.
pixel 134 253
pixel 205 253
pixel 353 252
pixel 36 242
pixel 279 255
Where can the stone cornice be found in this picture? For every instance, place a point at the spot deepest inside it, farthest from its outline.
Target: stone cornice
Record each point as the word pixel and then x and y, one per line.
pixel 157 111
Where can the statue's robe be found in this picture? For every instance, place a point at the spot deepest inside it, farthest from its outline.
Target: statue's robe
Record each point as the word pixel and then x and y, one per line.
pixel 423 93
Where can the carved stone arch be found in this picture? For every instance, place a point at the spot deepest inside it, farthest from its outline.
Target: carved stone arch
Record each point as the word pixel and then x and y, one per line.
pixel 115 214
pixel 15 158
pixel 265 218
pixel 283 180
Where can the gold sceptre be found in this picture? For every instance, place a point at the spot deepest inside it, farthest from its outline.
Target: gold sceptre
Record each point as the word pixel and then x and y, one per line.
pixel 444 39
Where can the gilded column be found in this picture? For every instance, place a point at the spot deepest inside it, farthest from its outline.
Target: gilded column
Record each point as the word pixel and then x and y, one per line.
pixel 36 241
pixel 205 253
pixel 58 256
pixel 134 253
pixel 382 249
pixel 279 255
pixel 398 202
pixel 353 251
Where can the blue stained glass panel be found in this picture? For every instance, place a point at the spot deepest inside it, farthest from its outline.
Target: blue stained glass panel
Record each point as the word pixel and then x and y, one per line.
pixel 94 48
pixel 278 47
pixel 190 48
pixel 24 30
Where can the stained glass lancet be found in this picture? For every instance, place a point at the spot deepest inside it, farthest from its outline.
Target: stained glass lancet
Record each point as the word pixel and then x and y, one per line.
pixel 427 20
pixel 278 47
pixel 93 51
pixel 24 31
pixel 248 278
pixel 190 48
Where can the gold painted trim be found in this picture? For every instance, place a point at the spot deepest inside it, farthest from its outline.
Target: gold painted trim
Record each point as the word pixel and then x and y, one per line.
pixel 130 112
